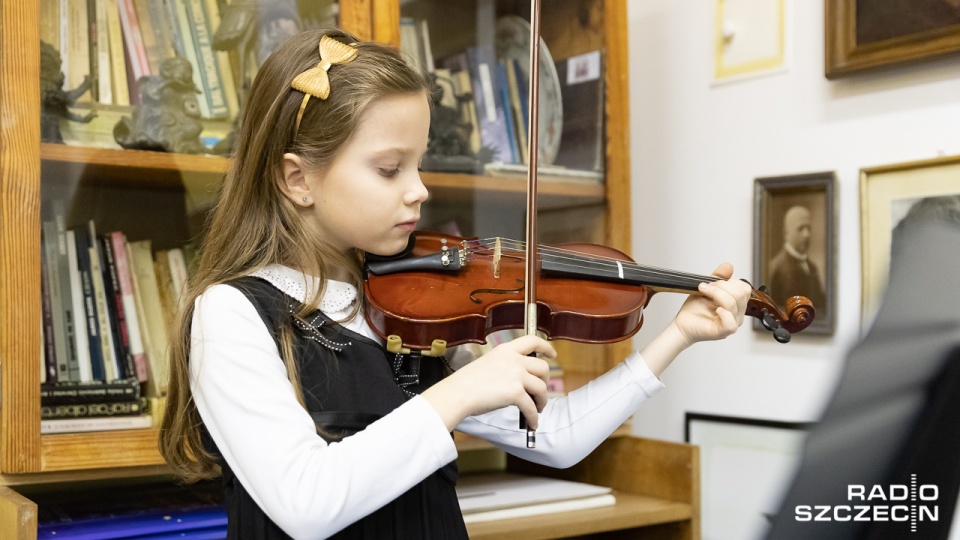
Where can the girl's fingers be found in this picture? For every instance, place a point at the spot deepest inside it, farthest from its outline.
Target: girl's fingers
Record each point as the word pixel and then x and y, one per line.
pixel 533 344
pixel 537 389
pixel 720 296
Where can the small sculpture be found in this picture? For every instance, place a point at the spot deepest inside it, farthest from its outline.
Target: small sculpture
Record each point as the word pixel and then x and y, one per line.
pixel 448 149
pixel 55 102
pixel 167 118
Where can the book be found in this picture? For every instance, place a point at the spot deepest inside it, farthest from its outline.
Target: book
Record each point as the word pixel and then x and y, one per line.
pixel 410 45
pixel 92 322
pixel 147 291
pixel 154 31
pixel 134 335
pixel 118 319
pixel 485 497
pixel 100 43
pixel 75 44
pixel 80 317
pixel 111 363
pixel 187 49
pixel 66 296
pixel 464 91
pixel 118 65
pixel 516 109
pixel 133 39
pixel 197 37
pixel 106 423
pixel 582 91
pixel 49 234
pixel 509 125
pixel 488 102
pixel 178 275
pixel 161 267
pixel 95 409
pixel 49 368
pixel 50 22
pixel 223 61
pixel 71 393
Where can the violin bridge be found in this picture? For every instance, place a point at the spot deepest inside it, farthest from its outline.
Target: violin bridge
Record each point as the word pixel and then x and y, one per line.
pixel 496 258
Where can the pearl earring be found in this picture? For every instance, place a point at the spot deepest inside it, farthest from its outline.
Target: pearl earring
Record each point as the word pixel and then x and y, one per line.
pixel 305 199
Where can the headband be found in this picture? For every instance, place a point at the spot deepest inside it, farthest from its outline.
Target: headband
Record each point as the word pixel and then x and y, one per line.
pixel 315 81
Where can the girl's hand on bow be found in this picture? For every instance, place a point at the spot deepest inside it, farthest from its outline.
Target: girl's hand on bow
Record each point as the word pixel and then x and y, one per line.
pixel 717 311
pixel 504 376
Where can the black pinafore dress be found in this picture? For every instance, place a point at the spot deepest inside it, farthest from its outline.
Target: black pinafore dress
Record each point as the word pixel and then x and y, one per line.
pixel 348 382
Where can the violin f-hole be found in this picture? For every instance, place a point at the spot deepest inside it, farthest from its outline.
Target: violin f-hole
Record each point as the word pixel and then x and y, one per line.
pixel 475 292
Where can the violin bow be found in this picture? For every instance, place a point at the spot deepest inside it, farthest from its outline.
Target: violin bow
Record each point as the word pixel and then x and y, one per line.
pixel 530 266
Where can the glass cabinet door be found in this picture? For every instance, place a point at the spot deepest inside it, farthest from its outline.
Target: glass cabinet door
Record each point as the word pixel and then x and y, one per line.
pixel 478 55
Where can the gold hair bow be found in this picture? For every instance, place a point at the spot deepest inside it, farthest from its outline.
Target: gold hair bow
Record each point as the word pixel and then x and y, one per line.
pixel 315 81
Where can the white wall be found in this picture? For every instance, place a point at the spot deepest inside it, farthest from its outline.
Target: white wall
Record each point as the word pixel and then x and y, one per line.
pixel 696 149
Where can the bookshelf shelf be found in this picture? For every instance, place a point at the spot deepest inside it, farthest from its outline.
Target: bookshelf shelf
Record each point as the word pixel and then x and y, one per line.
pixel 656 485
pixel 629 512
pixel 107 166
pixel 132 160
pixel 79 451
pixel 153 169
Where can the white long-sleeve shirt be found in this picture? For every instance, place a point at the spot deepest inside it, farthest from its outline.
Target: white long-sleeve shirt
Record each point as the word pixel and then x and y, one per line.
pixel 312 489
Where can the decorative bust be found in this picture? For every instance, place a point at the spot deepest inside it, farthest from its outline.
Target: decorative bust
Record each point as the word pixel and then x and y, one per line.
pixel 55 102
pixel 167 118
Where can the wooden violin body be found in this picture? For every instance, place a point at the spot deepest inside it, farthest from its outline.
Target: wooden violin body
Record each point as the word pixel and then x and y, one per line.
pixel 461 290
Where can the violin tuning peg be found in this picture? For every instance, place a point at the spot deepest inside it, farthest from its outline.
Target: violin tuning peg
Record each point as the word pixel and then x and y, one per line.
pixel 768 321
pixel 781 335
pixel 763 289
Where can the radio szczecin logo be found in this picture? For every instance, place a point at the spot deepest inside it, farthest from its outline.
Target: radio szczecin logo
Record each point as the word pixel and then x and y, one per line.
pixel 907 504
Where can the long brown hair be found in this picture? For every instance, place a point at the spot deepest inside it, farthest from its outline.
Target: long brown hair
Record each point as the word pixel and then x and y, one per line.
pixel 253 224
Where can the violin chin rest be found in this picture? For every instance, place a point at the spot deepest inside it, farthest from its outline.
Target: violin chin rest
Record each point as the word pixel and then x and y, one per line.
pixel 411 243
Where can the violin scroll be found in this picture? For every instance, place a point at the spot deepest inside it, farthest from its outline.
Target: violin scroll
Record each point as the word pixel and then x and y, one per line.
pixel 799 313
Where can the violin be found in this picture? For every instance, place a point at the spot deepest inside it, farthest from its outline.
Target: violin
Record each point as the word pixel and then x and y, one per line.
pixel 443 290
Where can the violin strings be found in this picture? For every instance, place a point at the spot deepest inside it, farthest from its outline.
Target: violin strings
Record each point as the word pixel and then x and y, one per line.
pixel 598 261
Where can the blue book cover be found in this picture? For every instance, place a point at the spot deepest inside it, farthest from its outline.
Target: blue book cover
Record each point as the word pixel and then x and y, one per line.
pixel 154 524
pixel 523 89
pixel 92 323
pixel 508 113
pixel 494 134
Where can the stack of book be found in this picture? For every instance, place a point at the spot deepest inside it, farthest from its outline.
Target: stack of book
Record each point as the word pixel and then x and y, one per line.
pixel 116 42
pixel 106 304
pixel 495 90
pixel 488 497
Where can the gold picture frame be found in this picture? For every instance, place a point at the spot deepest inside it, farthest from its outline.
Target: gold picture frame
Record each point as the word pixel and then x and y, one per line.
pixel 890 194
pixel 869 34
pixel 798 202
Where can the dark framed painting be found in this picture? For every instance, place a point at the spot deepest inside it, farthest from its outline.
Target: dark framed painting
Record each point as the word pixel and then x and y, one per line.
pixel 870 34
pixel 794 243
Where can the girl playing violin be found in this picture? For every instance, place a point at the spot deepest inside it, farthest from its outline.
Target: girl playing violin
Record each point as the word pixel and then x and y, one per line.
pixel 278 383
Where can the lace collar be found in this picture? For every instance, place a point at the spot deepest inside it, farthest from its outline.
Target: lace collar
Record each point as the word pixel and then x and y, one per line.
pixel 338 295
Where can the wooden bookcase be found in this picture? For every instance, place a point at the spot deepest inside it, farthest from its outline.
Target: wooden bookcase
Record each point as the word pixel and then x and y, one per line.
pixel 657 483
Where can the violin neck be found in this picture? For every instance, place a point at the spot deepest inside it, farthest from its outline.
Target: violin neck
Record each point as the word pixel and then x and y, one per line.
pixel 627 272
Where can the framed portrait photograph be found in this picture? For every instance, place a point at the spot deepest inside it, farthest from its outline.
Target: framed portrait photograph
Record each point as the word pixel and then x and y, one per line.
pixel 870 34
pixel 794 243
pixel 891 196
pixel 746 465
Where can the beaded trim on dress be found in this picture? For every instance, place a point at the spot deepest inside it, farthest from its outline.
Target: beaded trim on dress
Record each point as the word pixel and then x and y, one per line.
pixel 337 297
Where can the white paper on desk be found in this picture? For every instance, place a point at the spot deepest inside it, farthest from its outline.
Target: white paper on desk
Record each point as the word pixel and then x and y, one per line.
pixel 502 491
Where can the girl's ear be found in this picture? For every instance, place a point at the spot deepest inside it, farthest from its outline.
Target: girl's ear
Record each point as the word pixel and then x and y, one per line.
pixel 294 182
